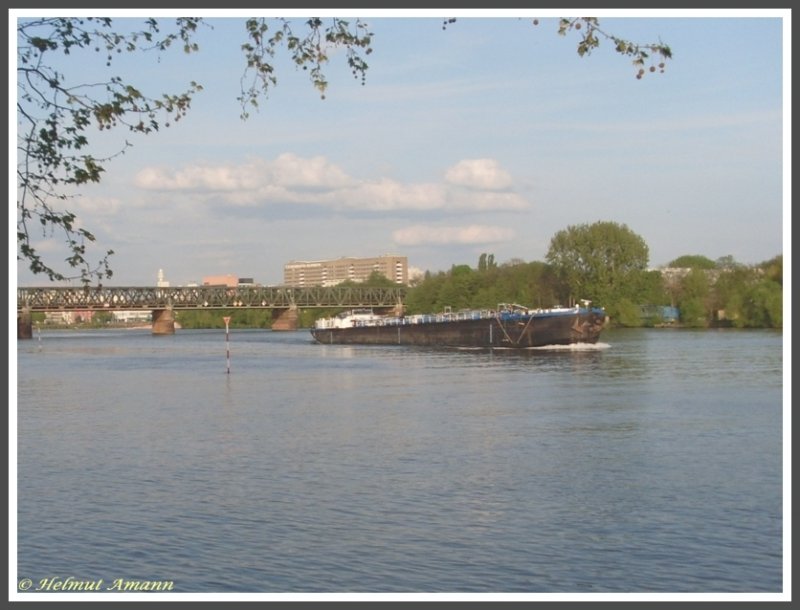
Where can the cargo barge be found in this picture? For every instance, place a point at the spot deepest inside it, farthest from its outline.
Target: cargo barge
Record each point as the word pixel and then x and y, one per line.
pixel 508 326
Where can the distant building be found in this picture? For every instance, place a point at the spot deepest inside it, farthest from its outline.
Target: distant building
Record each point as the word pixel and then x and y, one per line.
pixel 68 317
pixel 335 271
pixel 231 281
pixel 162 283
pixel 130 316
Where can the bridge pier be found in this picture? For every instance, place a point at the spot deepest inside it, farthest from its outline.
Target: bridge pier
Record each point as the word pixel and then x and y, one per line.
pixel 287 318
pixel 163 321
pixel 24 323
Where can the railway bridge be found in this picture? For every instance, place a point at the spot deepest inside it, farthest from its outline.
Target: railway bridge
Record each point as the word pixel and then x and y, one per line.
pixel 283 301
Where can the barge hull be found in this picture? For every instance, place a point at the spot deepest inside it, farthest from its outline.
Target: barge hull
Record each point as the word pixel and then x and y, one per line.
pixel 524 332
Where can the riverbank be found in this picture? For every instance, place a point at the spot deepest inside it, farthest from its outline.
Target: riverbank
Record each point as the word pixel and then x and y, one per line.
pixel 121 326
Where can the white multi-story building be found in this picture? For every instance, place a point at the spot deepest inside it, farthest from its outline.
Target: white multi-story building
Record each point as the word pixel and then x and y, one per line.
pixel 133 315
pixel 335 271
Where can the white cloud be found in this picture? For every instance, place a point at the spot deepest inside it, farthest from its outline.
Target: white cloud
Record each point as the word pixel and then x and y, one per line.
pixel 290 179
pixel 481 174
pixel 476 200
pixel 388 194
pixel 194 178
pixel 289 170
pixel 472 234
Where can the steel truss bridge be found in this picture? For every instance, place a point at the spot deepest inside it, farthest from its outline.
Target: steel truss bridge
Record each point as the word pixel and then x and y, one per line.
pixel 206 297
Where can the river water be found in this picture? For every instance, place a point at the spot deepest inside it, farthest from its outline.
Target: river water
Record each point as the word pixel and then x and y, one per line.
pixel 649 463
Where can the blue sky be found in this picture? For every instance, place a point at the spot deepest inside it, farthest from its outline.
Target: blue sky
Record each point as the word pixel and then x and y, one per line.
pixel 489 136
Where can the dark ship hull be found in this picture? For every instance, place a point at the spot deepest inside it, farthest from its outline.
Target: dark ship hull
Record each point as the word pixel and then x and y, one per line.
pixel 511 329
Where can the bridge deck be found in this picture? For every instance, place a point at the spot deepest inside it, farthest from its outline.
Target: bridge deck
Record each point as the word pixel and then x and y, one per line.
pixel 202 297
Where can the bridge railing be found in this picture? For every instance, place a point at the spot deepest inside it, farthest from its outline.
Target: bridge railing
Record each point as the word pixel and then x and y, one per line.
pixel 199 297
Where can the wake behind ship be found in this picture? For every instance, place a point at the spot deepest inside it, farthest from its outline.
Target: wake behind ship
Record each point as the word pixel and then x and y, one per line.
pixel 510 325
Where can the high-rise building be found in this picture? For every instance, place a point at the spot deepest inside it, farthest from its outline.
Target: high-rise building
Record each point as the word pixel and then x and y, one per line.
pixel 335 271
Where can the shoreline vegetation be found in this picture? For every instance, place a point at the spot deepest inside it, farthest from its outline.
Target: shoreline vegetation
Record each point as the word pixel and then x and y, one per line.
pixel 692 292
pixel 91 326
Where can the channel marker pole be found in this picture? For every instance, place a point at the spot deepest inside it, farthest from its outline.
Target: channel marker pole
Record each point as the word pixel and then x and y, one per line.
pixel 227 343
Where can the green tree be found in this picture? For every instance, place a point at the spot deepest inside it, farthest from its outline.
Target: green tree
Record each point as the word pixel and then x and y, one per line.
pixel 459 288
pixel 486 262
pixel 603 262
pixel 57 112
pixel 214 318
pixel 627 313
pixel 424 296
pixel 693 261
pixel 653 289
pixel 376 279
pixel 102 318
pixel 693 313
pixel 773 269
pixel 763 305
pixel 749 297
pixel 727 289
pixel 533 284
pixel 727 263
pixel 693 298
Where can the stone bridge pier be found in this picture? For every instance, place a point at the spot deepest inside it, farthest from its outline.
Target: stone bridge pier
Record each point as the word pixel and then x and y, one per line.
pixel 285 319
pixel 163 321
pixel 24 324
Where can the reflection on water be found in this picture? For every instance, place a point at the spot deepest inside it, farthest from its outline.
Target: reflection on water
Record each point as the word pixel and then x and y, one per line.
pixel 650 462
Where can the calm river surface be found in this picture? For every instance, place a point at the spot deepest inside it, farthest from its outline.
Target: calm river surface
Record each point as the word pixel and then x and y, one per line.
pixel 650 463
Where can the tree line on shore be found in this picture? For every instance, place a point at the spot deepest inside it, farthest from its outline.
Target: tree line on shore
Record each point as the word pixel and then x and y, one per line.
pixel 605 263
pixel 706 293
